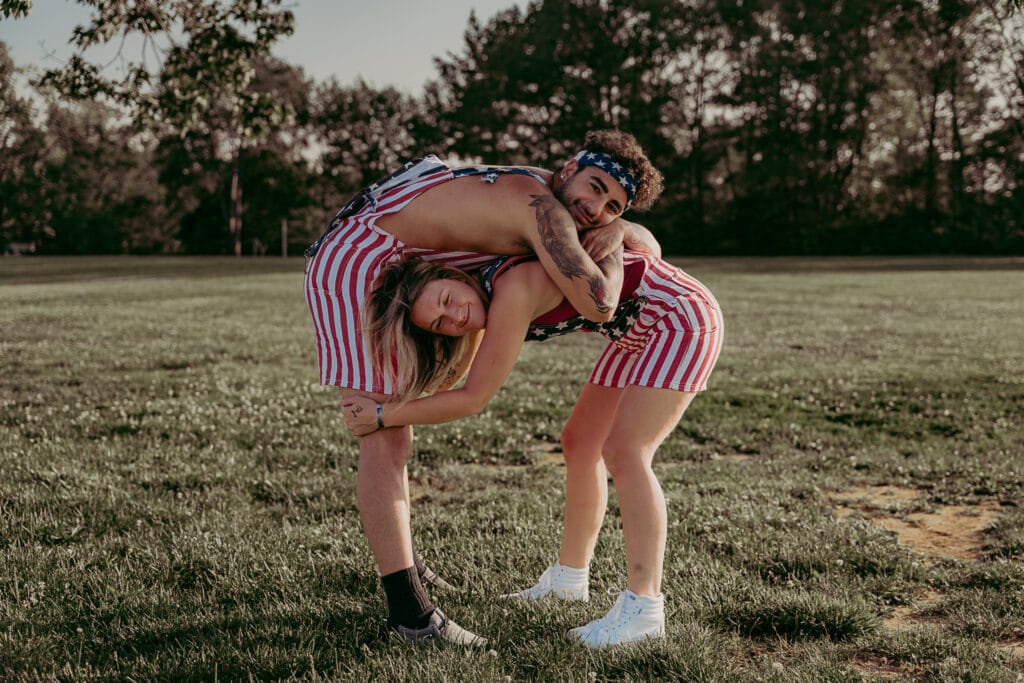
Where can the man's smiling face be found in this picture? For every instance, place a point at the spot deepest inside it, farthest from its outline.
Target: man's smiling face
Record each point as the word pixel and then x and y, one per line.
pixel 592 196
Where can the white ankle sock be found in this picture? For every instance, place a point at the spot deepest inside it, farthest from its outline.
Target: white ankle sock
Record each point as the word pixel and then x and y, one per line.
pixel 571 575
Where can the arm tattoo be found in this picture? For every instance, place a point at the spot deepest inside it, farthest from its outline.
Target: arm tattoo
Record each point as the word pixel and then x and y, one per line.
pixel 597 294
pixel 567 259
pixel 610 263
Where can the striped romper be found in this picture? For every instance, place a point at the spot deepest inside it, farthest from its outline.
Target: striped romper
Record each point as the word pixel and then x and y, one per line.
pixel 667 330
pixel 343 264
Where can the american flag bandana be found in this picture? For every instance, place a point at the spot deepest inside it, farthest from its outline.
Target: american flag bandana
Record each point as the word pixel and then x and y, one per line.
pixel 622 174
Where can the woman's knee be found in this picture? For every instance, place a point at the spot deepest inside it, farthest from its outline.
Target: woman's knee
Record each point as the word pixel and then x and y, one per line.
pixel 623 458
pixel 578 446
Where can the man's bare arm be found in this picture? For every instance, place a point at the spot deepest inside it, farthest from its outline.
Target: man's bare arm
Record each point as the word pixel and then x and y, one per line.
pixel 639 238
pixel 592 288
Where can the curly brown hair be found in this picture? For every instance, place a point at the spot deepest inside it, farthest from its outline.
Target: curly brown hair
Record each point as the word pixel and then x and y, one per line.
pixel 624 148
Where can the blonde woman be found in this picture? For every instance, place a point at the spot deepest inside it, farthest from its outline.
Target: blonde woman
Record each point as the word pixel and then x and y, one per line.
pixel 423 322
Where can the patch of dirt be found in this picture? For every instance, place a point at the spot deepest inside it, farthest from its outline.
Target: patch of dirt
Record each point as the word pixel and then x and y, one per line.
pixel 877 497
pixel 953 531
pixel 1013 649
pixel 876 666
pixel 908 616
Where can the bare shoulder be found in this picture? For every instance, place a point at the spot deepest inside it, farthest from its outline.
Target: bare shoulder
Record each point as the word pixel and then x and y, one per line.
pixel 518 187
pixel 542 172
pixel 471 193
pixel 529 282
pixel 510 203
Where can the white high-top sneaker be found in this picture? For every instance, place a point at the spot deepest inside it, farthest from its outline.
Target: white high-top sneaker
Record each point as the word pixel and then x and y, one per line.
pixel 557 581
pixel 632 618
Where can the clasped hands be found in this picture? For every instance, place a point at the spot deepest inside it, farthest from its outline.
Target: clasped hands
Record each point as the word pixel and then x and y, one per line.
pixel 360 412
pixel 602 241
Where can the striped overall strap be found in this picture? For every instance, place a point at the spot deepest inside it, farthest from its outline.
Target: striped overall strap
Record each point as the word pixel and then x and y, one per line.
pixel 372 194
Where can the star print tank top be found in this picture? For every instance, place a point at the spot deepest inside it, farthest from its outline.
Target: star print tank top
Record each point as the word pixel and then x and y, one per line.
pixel 564 319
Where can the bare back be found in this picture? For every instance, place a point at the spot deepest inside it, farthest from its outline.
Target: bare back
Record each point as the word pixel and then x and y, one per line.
pixel 466 214
pixel 508 212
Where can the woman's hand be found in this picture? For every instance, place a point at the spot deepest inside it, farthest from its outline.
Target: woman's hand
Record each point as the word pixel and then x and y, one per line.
pixel 360 415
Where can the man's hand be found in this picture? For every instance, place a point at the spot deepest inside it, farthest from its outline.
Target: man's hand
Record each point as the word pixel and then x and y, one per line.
pixel 600 242
pixel 638 238
pixel 360 415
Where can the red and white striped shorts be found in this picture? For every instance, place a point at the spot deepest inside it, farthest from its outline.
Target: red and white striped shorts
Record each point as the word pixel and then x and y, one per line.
pixel 675 341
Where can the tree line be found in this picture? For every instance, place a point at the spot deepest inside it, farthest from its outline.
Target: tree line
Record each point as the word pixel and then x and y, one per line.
pixel 782 127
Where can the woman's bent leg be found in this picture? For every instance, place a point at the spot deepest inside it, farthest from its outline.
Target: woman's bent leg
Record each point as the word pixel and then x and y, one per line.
pixel 644 418
pixel 586 479
pixel 586 496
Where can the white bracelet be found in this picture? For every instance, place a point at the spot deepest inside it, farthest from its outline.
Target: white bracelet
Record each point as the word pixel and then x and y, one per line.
pixel 380 416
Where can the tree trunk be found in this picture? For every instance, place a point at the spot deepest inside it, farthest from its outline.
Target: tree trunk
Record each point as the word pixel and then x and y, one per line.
pixel 235 222
pixel 932 159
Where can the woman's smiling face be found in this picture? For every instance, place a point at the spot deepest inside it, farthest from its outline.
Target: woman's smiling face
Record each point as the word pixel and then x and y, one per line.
pixel 449 307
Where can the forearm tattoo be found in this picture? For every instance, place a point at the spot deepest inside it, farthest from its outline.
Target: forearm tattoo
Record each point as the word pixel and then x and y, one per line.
pixel 567 259
pixel 611 263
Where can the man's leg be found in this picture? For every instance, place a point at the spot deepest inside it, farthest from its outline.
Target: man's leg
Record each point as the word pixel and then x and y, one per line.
pixel 427 576
pixel 382 496
pixel 382 492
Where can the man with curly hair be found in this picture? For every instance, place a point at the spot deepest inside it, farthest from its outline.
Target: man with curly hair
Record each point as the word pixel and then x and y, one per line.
pixel 462 217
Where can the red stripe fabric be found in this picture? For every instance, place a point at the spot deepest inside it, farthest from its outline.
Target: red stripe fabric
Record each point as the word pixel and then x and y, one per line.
pixel 677 337
pixel 341 274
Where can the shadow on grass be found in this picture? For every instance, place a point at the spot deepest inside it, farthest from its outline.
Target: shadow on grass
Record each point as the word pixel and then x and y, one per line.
pixel 236 646
pixel 796 615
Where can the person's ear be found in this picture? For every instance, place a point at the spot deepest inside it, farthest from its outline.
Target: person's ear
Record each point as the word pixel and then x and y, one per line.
pixel 568 170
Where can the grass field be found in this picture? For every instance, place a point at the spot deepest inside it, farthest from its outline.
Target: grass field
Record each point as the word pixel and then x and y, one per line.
pixel 177 495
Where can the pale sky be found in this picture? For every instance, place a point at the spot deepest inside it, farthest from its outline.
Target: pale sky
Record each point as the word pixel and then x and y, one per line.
pixel 386 42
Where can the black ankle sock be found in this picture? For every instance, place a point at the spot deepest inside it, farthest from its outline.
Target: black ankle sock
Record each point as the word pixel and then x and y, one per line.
pixel 408 604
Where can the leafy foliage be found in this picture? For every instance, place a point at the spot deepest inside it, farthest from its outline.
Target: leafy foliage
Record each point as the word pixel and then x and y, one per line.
pixel 528 87
pixel 366 134
pixel 15 8
pixel 835 127
pixel 206 54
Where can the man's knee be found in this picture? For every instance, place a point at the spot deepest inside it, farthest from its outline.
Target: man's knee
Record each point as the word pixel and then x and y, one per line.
pixel 386 447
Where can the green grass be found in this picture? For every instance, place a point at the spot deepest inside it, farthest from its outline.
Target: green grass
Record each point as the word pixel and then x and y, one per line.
pixel 177 495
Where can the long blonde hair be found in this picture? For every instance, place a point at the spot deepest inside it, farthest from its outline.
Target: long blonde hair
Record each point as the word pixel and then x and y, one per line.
pixel 413 360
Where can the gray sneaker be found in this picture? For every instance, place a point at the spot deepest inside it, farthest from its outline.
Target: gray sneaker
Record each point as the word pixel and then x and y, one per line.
pixel 441 629
pixel 432 580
